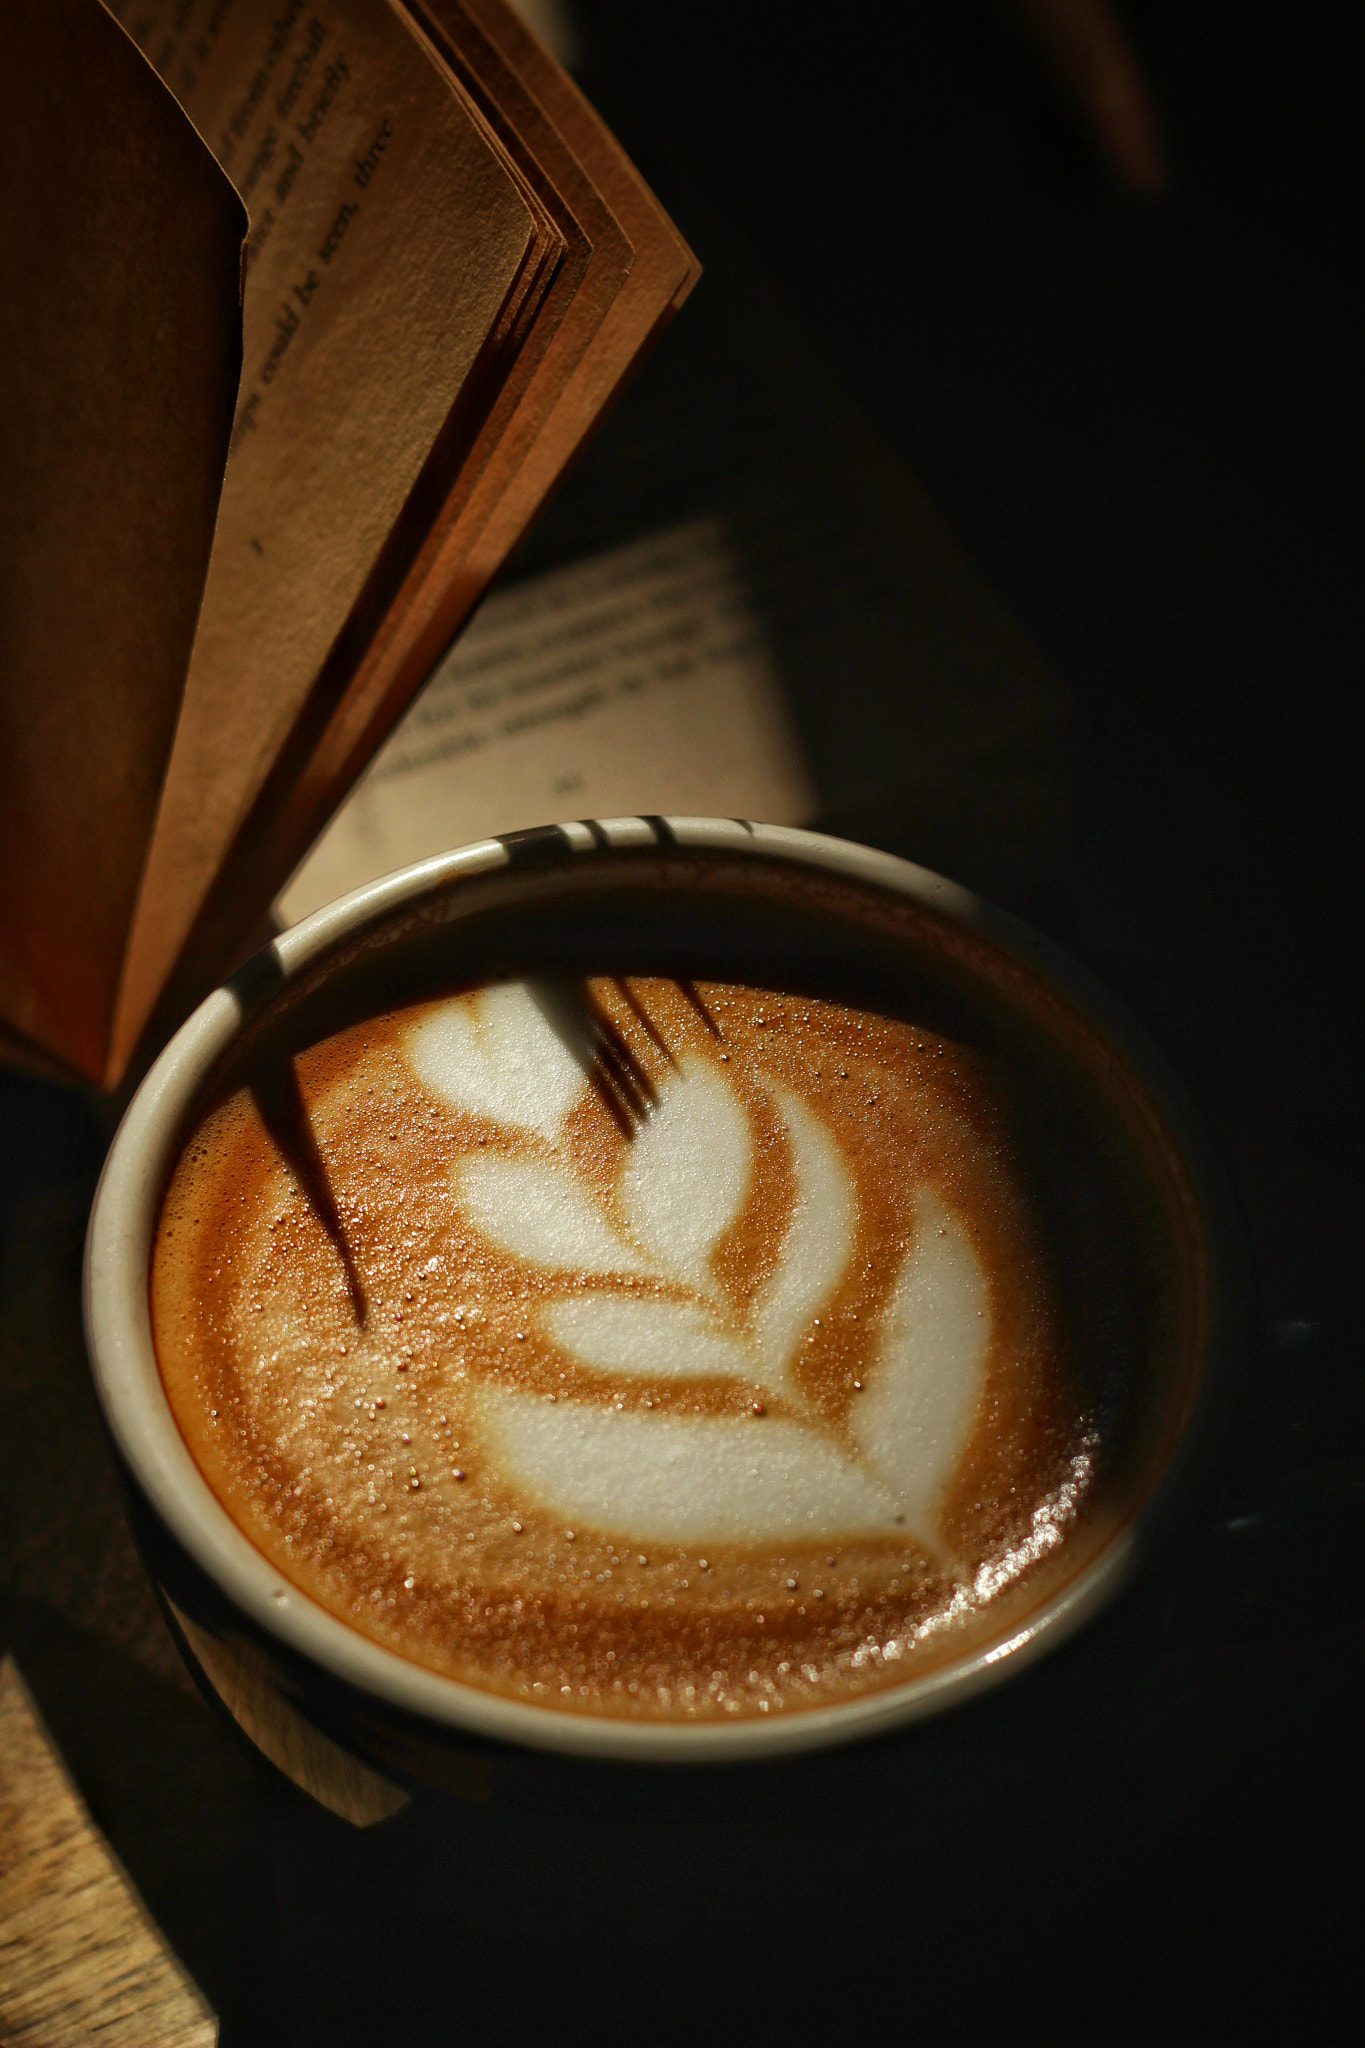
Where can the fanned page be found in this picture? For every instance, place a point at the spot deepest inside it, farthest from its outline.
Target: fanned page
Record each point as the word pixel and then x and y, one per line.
pixel 120 331
pixel 625 272
pixel 639 272
pixel 390 242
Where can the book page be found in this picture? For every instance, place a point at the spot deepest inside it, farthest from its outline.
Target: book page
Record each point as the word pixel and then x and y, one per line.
pixel 624 271
pixel 120 332
pixel 638 271
pixel 387 235
pixel 638 681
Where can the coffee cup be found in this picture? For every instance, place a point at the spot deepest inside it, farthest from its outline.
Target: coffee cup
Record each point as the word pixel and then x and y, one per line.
pixel 797 1492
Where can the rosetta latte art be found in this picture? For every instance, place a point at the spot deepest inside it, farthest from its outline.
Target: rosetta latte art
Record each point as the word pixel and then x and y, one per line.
pixel 659 1314
pixel 627 1346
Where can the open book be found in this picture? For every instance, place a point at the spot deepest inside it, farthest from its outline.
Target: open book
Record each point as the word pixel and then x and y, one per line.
pixel 288 379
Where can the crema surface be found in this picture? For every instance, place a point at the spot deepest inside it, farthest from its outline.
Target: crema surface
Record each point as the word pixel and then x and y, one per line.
pixel 630 1346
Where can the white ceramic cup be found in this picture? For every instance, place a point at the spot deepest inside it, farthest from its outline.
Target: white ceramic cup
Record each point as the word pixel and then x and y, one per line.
pixel 376 1701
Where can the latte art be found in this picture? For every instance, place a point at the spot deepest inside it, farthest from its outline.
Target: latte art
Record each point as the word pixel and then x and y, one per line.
pixel 672 1351
pixel 660 1475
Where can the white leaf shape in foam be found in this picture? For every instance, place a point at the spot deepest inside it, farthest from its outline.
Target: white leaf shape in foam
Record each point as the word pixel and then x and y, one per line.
pixel 493 1054
pixel 679 1479
pixel 644 1338
pixel 912 1423
pixel 818 1241
pixel 688 1170
pixel 541 1212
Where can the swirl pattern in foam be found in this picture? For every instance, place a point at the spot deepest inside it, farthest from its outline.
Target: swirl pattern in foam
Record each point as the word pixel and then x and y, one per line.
pixel 710 1361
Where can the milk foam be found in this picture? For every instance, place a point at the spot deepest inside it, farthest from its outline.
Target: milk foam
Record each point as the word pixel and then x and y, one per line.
pixel 681 1479
pixel 684 1178
pixel 688 1171
pixel 766 1327
pixel 921 1398
pixel 631 1336
pixel 818 1242
pixel 494 1053
pixel 542 1213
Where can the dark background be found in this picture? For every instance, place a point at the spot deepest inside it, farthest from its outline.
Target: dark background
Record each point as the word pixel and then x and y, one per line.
pixel 1140 418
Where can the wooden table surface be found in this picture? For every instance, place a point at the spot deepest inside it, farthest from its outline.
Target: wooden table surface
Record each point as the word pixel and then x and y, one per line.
pixel 81 1959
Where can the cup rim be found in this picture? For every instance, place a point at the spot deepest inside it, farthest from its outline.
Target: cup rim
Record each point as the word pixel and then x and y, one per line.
pixel 138 1414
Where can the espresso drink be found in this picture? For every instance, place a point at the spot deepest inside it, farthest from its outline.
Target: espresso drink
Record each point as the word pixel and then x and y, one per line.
pixel 635 1345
